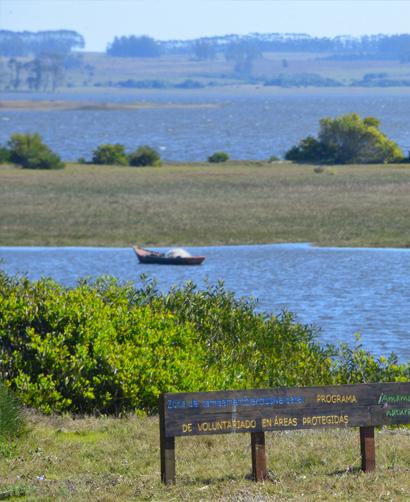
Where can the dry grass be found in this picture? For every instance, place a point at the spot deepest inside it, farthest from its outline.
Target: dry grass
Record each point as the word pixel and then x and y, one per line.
pixel 175 68
pixel 106 459
pixel 203 204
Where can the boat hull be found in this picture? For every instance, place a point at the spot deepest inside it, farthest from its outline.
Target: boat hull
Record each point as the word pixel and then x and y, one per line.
pixel 153 257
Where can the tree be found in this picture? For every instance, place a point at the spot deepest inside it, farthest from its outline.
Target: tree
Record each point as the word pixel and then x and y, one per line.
pixel 204 50
pixel 134 47
pixel 145 156
pixel 15 67
pixel 45 71
pixel 347 139
pixel 30 152
pixel 218 157
pixel 243 55
pixel 111 155
pixel 25 43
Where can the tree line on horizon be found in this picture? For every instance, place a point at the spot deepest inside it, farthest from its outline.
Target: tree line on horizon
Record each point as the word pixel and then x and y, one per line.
pixel 28 43
pixel 367 46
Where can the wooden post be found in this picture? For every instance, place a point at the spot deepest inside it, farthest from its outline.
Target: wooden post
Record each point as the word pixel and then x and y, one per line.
pixel 259 472
pixel 167 447
pixel 367 449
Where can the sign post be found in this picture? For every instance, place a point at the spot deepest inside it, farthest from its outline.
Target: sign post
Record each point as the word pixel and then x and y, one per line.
pixel 283 408
pixel 367 449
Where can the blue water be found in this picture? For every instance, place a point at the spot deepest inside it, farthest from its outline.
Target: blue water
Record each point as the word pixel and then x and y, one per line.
pixel 339 290
pixel 248 124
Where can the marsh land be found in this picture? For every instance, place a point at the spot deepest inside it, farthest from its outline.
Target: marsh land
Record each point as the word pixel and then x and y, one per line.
pixel 204 204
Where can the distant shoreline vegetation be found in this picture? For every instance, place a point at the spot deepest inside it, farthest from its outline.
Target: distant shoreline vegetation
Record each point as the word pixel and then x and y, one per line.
pixel 383 46
pixel 347 139
pixel 45 61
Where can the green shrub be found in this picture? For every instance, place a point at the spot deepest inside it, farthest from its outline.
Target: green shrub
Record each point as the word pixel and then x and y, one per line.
pixel 144 156
pixel 312 150
pixel 103 347
pixel 273 158
pixel 113 155
pixel 29 151
pixel 347 139
pixel 88 350
pixel 4 154
pixel 11 417
pixel 218 157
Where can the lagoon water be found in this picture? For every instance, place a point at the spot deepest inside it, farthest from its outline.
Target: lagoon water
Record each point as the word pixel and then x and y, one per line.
pixel 250 123
pixel 339 290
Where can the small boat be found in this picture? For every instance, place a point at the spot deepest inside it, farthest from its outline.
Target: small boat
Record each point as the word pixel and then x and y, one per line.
pixel 172 257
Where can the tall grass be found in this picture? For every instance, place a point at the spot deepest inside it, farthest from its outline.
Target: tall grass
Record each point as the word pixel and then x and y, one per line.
pixel 230 203
pixel 11 415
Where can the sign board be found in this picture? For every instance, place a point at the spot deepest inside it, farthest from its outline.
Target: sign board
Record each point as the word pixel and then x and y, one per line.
pixel 283 408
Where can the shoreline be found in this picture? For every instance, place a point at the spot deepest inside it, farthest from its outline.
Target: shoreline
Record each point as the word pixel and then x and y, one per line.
pixel 49 105
pixel 284 245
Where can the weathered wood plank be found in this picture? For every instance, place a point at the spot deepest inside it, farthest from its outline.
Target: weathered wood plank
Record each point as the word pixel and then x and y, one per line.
pixel 259 472
pixel 167 448
pixel 261 410
pixel 367 449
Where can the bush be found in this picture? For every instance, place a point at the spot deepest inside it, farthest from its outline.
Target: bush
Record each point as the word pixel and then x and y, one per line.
pixel 312 150
pixel 88 350
pixel 4 154
pixel 105 348
pixel 144 156
pixel 218 157
pixel 113 155
pixel 347 139
pixel 11 417
pixel 29 151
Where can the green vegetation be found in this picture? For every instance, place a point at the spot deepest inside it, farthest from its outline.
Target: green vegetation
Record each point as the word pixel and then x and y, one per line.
pixel 347 139
pixel 111 155
pixel 261 202
pixel 218 157
pixel 116 155
pixel 106 348
pixel 144 156
pixel 134 47
pixel 94 459
pixel 4 154
pixel 11 415
pixel 29 151
pixel 46 61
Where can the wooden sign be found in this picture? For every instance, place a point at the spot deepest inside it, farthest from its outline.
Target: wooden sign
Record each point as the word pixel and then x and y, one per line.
pixel 283 408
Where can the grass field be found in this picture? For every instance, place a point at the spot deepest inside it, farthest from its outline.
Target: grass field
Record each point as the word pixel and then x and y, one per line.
pixel 98 69
pixel 176 68
pixel 105 459
pixel 203 204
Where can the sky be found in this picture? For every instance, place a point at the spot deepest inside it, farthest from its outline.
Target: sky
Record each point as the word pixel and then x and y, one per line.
pixel 99 21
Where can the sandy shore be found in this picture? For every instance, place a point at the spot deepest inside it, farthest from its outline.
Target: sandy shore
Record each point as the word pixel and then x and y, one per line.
pixel 28 105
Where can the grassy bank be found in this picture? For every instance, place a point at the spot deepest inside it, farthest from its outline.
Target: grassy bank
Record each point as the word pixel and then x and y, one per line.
pixel 105 459
pixel 202 204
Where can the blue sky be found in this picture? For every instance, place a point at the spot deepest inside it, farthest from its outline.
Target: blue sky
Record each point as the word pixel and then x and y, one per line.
pixel 100 20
